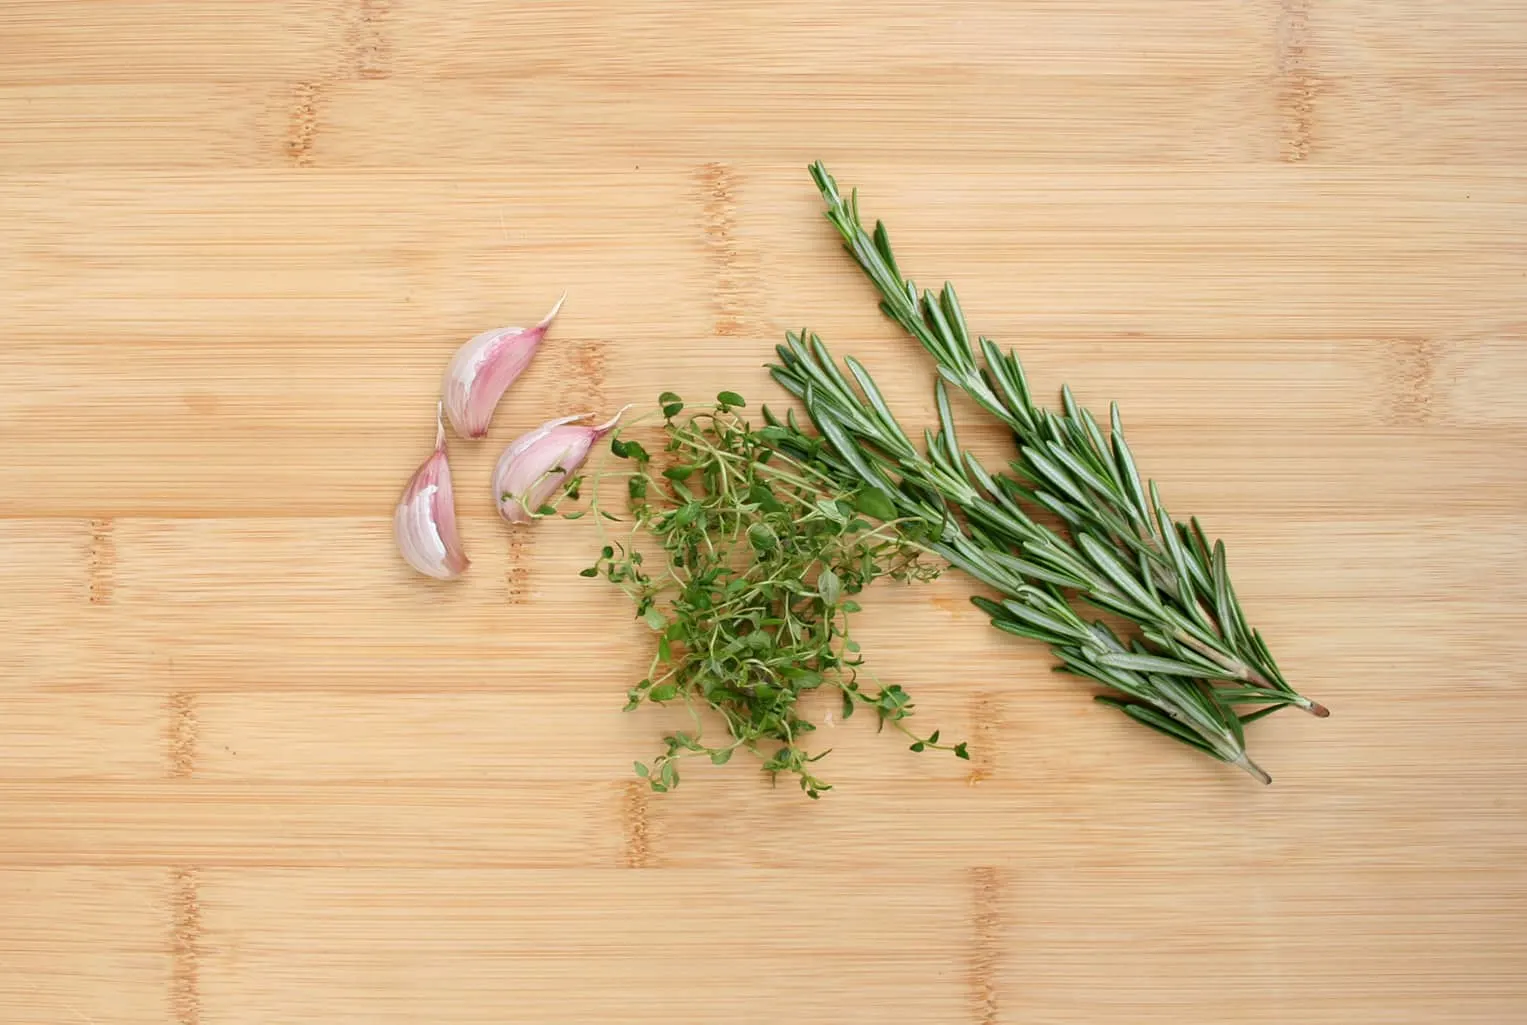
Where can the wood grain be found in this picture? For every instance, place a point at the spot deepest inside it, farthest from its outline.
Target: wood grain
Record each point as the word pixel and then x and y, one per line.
pixel 252 769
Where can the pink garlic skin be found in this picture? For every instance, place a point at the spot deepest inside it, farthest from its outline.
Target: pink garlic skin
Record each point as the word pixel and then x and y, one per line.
pixel 425 520
pixel 484 368
pixel 537 463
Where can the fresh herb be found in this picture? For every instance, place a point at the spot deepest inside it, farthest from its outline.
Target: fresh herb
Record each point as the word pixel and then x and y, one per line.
pixel 1195 670
pixel 763 555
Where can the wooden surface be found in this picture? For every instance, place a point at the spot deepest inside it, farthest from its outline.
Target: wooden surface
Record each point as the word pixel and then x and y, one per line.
pixel 252 770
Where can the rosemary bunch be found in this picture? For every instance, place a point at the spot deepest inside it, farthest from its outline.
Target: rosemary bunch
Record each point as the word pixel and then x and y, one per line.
pixel 763 553
pixel 1197 672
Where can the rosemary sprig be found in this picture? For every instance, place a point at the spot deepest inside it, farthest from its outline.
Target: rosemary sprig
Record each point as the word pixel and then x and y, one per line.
pixel 763 552
pixel 973 532
pixel 1196 659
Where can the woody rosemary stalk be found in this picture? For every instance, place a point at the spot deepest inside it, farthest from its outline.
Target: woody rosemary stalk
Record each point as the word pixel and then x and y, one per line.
pixel 1197 671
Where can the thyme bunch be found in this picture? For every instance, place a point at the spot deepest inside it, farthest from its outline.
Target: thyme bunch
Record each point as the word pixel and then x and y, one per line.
pixel 763 555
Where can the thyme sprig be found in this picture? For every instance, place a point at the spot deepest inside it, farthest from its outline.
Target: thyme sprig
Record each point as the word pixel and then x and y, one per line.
pixel 763 555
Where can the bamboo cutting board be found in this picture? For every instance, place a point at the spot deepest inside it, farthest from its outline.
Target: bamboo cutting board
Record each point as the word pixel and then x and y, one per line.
pixel 252 770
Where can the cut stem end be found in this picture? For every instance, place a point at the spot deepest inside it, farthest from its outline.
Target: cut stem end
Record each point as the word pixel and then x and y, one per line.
pixel 1253 769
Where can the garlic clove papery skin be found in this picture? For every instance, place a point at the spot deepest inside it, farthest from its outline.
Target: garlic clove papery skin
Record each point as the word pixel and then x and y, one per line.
pixel 484 368
pixel 424 522
pixel 539 462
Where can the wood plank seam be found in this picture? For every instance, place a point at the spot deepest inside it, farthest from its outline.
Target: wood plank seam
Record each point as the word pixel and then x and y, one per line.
pixel 303 127
pixel 986 722
pixel 185 946
pixel 369 43
pixel 101 561
pixel 987 944
pixel 1413 371
pixel 582 370
pixel 184 728
pixel 736 296
pixel 517 568
pixel 1298 88
pixel 638 852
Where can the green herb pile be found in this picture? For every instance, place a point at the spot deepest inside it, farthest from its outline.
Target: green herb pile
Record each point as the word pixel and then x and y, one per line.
pixel 762 552
pixel 768 532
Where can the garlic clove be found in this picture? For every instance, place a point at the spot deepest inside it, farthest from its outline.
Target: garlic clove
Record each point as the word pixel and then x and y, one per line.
pixel 537 463
pixel 484 368
pixel 425 519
